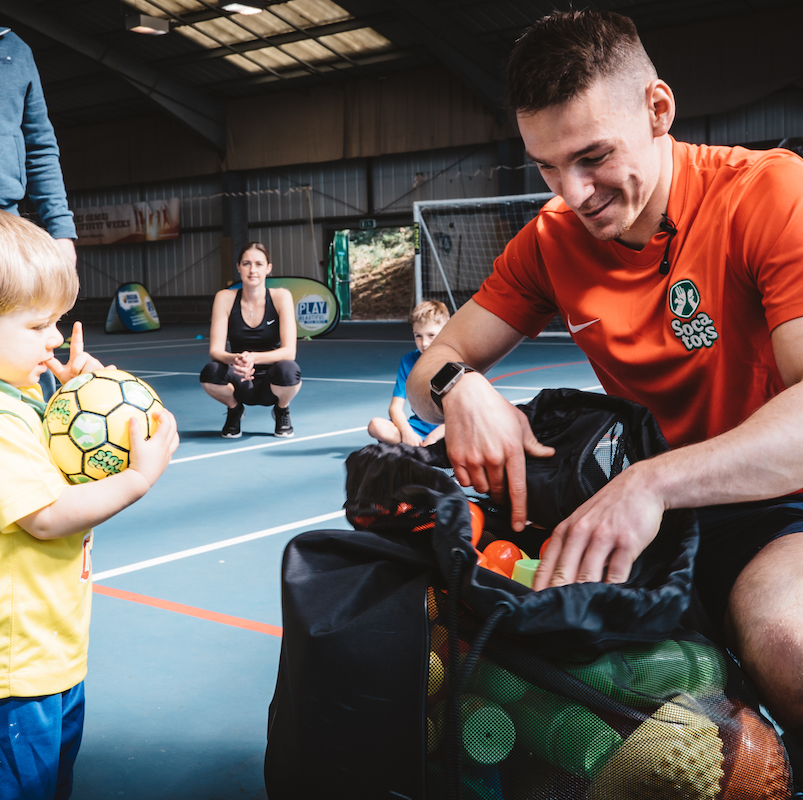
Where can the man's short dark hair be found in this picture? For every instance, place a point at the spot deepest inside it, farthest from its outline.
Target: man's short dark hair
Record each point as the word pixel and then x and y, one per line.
pixel 563 54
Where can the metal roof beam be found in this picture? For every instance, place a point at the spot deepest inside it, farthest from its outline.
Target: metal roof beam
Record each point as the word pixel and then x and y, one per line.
pixel 316 31
pixel 406 58
pixel 457 49
pixel 205 14
pixel 204 115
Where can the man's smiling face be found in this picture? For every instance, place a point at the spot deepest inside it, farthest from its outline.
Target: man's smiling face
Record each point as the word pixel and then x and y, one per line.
pixel 599 152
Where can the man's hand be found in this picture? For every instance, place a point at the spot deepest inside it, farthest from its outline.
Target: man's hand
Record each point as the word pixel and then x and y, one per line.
pixel 79 361
pixel 68 247
pixel 604 536
pixel 487 439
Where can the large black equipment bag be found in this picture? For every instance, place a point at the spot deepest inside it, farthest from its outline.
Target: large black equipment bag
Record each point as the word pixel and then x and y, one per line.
pixel 408 671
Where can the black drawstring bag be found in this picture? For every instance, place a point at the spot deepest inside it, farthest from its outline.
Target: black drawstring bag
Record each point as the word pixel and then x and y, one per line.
pixel 408 671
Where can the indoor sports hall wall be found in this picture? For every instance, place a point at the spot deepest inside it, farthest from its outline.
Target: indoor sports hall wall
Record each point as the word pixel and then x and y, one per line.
pixel 298 168
pixel 764 122
pixel 425 109
pixel 293 210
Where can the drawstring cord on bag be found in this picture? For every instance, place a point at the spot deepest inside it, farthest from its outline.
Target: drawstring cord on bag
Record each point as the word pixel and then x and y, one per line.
pixel 502 610
pixel 454 749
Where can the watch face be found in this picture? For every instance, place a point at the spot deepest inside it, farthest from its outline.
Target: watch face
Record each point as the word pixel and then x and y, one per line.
pixel 446 376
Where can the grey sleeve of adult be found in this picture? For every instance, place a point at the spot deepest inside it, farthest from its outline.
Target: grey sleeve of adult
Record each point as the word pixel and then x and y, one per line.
pixel 43 169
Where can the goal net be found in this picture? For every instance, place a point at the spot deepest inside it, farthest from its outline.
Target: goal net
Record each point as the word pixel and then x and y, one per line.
pixel 458 240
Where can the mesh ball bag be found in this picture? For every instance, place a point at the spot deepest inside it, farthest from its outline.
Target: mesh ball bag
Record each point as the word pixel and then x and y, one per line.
pixel 494 691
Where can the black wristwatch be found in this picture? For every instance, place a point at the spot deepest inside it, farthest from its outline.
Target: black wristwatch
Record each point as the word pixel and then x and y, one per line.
pixel 448 375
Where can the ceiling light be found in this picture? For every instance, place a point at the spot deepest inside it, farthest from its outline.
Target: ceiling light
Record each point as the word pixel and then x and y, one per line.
pixel 142 23
pixel 241 8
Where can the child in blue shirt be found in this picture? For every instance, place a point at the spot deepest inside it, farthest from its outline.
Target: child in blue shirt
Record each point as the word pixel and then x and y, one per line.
pixel 427 318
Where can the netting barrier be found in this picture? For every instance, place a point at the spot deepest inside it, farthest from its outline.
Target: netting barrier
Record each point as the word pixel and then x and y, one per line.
pixel 458 240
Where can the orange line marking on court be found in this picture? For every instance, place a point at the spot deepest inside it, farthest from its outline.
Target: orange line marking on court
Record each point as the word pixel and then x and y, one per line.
pixel 190 611
pixel 534 369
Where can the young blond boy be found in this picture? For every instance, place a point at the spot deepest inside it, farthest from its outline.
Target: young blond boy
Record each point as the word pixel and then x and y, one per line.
pixel 427 318
pixel 46 523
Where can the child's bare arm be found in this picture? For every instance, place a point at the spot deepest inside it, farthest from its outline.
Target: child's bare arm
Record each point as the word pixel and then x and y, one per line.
pixel 85 505
pixel 399 419
pixel 435 435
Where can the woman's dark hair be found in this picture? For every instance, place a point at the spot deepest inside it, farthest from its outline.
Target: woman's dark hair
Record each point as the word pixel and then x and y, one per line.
pixel 253 246
pixel 563 54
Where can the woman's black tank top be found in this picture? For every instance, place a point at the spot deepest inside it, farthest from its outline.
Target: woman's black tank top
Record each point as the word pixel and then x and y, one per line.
pixel 260 339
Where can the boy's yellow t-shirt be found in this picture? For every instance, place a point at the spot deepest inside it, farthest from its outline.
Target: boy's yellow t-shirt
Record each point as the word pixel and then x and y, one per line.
pixel 45 586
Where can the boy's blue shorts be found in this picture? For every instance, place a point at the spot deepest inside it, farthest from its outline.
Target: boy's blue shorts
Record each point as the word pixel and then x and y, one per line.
pixel 422 428
pixel 730 535
pixel 39 741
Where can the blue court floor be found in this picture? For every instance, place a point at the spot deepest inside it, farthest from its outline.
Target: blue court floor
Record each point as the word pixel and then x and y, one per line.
pixel 186 622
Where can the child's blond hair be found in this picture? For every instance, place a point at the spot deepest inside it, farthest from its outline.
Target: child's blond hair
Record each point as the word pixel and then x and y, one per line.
pixel 34 271
pixel 430 311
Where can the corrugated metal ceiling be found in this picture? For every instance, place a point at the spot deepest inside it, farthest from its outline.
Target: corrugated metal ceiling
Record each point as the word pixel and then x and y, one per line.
pixel 94 70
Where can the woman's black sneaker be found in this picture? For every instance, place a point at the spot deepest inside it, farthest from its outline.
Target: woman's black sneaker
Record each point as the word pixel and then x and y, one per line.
pixel 284 427
pixel 231 430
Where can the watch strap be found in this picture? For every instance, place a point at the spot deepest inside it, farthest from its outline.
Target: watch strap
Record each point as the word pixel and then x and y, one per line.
pixel 437 398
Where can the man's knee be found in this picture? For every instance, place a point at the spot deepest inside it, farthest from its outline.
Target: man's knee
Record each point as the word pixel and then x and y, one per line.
pixel 764 626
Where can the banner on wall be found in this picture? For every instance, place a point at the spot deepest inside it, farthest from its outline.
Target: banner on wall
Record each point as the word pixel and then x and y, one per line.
pixel 148 221
pixel 132 309
pixel 317 309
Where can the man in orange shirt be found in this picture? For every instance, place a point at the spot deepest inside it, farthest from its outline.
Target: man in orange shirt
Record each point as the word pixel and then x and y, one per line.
pixel 678 271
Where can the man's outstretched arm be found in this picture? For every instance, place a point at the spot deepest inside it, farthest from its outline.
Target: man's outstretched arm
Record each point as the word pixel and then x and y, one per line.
pixel 756 460
pixel 486 436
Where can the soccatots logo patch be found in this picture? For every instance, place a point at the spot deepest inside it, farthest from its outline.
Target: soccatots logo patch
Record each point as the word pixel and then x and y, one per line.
pixel 684 299
pixel 695 330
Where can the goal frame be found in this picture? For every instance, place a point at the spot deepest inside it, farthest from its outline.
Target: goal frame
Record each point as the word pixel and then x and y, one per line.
pixel 422 232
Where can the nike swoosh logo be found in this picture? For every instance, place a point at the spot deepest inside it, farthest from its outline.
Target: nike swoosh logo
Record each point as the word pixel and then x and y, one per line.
pixel 578 328
pixel 271 322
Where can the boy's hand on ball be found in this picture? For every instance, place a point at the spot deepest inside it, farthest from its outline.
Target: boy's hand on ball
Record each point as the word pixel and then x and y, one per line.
pixel 150 457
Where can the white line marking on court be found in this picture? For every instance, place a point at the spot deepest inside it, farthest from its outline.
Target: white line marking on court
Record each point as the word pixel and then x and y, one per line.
pixel 115 348
pixel 140 373
pixel 541 388
pixel 538 340
pixel 157 374
pixel 556 342
pixel 207 548
pixel 267 444
pixel 346 380
pixel 146 374
pixel 527 399
pixel 360 341
pixel 518 388
pixel 122 340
